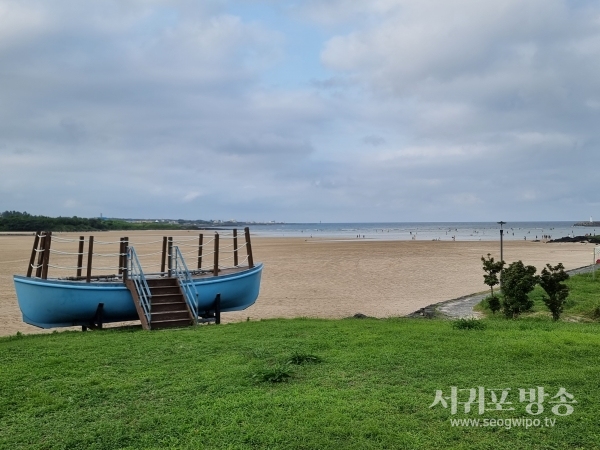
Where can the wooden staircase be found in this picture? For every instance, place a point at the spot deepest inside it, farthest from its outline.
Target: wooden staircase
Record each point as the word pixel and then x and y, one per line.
pixel 168 306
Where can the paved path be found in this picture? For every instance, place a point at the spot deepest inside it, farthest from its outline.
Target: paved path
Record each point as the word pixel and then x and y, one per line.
pixel 462 307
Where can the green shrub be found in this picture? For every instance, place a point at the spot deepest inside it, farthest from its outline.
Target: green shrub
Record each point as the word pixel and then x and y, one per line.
pixel 493 303
pixel 551 280
pixel 492 269
pixel 518 281
pixel 490 303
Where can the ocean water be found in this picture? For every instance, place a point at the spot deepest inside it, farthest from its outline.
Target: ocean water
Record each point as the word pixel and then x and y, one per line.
pixel 443 231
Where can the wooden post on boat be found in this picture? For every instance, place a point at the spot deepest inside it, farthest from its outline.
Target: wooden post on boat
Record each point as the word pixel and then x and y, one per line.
pixel 235 249
pixel 163 258
pixel 121 251
pixel 80 255
pixel 40 258
pixel 200 242
pixel 249 247
pixel 88 275
pixel 216 265
pixel 33 253
pixel 170 255
pixel 46 255
pixel 124 258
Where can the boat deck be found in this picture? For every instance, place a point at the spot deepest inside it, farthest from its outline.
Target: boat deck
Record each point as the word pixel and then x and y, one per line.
pixel 194 273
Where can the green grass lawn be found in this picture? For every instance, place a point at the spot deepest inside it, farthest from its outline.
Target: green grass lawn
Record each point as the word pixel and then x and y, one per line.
pixel 369 385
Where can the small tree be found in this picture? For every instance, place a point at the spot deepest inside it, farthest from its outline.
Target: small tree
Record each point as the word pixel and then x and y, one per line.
pixel 551 281
pixel 492 269
pixel 518 281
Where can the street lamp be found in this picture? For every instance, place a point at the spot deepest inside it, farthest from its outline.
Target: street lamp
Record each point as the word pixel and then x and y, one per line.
pixel 501 235
pixel 501 250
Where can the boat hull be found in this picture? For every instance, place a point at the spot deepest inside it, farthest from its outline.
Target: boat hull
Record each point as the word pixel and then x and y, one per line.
pixel 57 303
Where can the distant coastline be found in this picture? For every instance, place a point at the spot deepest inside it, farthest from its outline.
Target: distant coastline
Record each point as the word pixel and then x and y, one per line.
pixel 16 222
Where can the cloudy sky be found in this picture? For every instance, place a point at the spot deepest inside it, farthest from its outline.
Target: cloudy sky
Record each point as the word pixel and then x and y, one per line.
pixel 300 111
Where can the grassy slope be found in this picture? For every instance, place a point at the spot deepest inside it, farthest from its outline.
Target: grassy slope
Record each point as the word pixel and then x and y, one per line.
pixel 194 388
pixel 583 302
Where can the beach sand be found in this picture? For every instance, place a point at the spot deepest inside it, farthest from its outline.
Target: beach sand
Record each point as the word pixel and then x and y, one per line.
pixel 332 279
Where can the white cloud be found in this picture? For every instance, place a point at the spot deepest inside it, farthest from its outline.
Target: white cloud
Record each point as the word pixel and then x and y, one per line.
pixel 19 23
pixel 427 110
pixel 336 12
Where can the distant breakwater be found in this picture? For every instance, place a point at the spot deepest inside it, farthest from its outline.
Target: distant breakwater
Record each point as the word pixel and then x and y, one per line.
pixel 590 239
pixel 587 224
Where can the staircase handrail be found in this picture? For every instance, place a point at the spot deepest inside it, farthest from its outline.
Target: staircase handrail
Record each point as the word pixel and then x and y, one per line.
pixel 136 274
pixel 188 287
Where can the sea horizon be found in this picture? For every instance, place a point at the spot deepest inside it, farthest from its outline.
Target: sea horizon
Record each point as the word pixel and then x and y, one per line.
pixel 442 231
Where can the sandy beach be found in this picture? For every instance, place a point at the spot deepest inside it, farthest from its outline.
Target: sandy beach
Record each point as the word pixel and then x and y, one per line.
pixel 333 279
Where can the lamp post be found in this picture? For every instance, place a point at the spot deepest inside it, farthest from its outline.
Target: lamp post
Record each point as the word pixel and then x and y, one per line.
pixel 501 249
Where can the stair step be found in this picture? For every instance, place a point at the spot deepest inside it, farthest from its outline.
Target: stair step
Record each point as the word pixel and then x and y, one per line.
pixel 169 315
pixel 158 290
pixel 167 298
pixel 171 323
pixel 156 282
pixel 168 306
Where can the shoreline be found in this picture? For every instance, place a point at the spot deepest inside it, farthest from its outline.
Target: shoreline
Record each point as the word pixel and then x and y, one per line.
pixel 332 278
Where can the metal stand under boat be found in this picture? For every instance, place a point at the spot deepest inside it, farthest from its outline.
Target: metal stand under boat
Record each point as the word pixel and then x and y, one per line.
pixel 96 321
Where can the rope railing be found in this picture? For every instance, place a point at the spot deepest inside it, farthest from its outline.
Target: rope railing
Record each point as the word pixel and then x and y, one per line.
pixel 180 239
pixel 108 255
pixel 241 263
pixel 189 245
pixel 149 254
pixel 233 250
pixel 208 253
pixel 61 239
pixel 140 243
pixel 105 268
pixel 106 242
pixel 190 253
pixel 146 265
pixel 58 252
pixel 68 240
pixel 213 249
pixel 210 241
pixel 65 267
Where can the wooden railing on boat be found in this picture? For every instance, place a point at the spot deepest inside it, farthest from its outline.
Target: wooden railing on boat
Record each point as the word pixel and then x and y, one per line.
pixel 196 249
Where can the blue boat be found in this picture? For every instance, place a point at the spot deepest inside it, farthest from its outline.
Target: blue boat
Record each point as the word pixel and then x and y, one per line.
pixel 173 297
